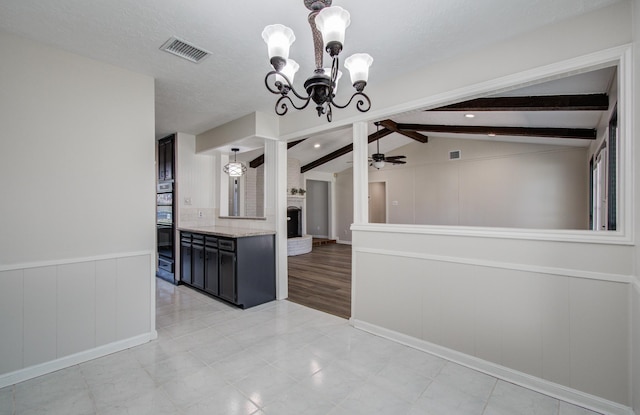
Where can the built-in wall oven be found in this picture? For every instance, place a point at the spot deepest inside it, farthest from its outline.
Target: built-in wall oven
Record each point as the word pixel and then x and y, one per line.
pixel 165 230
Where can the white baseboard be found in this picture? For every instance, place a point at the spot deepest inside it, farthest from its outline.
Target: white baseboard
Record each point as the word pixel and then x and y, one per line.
pixel 545 387
pixel 31 372
pixel 343 242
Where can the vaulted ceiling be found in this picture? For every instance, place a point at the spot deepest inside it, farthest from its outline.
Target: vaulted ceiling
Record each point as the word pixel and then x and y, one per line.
pixel 563 112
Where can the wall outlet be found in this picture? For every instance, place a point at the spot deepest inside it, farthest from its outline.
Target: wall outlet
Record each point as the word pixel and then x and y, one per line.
pixel 200 214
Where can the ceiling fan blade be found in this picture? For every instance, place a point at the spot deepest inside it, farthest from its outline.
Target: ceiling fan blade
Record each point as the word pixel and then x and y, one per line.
pixel 396 161
pixel 395 157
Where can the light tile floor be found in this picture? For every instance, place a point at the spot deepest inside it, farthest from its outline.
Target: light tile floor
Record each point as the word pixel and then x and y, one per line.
pixel 276 359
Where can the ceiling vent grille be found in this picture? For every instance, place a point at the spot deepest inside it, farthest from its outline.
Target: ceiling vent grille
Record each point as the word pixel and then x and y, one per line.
pixel 454 155
pixel 184 50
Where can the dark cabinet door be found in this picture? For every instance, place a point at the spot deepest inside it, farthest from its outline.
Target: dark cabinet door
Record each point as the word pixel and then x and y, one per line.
pixel 198 266
pixel 165 159
pixel 162 145
pixel 185 259
pixel 227 274
pixel 211 270
pixel 168 162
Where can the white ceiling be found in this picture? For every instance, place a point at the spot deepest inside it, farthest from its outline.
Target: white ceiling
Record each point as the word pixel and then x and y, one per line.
pixel 192 98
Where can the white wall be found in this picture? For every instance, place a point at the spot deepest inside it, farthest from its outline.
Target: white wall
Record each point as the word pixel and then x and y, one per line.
pixel 77 245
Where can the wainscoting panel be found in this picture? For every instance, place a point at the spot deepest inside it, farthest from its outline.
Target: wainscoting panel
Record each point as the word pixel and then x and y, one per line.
pixel 53 315
pixel 563 329
pixel 11 320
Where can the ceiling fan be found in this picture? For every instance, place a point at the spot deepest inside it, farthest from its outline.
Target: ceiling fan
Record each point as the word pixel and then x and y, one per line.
pixel 378 159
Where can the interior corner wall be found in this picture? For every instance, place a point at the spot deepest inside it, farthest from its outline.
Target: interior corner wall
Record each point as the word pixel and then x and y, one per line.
pixel 77 246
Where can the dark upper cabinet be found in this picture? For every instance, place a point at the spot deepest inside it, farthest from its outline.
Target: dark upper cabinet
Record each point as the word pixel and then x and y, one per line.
pixel 166 156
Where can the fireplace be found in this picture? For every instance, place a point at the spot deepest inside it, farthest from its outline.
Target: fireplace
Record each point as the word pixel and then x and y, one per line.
pixel 294 222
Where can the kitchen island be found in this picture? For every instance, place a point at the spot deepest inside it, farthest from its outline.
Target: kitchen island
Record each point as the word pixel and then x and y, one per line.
pixel 236 265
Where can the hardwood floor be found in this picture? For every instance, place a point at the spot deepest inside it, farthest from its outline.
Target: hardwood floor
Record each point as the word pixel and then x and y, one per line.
pixel 321 279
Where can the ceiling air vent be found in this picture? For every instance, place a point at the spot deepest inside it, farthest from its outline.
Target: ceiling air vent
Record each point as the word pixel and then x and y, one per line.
pixel 184 50
pixel 454 155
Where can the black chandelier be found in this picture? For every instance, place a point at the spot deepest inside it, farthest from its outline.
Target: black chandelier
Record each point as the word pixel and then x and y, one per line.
pixel 328 25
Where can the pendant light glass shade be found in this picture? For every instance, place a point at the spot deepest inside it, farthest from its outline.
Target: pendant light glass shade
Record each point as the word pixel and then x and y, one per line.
pixel 358 66
pixel 278 39
pixel 378 164
pixel 332 22
pixel 234 168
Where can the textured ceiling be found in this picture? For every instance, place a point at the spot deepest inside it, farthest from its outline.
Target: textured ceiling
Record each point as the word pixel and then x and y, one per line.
pixel 192 98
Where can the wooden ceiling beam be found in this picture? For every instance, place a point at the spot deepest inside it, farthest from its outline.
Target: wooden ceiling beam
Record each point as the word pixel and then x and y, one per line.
pixel 584 102
pixel 393 126
pixel 576 133
pixel 342 151
pixel 258 161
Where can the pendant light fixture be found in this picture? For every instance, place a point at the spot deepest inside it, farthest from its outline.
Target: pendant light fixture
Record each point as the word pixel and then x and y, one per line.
pixel 235 168
pixel 328 26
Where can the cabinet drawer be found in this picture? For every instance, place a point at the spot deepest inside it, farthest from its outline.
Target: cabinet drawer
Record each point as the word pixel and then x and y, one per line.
pixel 198 239
pixel 226 244
pixel 185 237
pixel 211 242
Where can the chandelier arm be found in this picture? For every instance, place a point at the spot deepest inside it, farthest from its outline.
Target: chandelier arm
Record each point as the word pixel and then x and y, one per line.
pixel 277 84
pixel 334 72
pixel 284 88
pixel 282 106
pixel 363 104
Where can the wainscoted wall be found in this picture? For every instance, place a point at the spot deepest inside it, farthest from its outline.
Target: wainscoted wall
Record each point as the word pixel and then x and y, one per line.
pixel 77 246
pixel 56 314
pixel 527 307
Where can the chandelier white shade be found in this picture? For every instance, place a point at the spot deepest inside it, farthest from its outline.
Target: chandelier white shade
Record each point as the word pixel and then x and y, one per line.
pixel 358 66
pixel 279 39
pixel 328 26
pixel 289 70
pixel 332 22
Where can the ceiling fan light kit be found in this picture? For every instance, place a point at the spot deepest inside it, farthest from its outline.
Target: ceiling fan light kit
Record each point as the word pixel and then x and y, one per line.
pixel 328 26
pixel 378 159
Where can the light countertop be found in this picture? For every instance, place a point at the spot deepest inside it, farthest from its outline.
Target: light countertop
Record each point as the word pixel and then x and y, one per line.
pixel 226 231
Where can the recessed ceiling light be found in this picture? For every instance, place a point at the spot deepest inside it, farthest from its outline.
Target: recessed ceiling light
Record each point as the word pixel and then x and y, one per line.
pixel 470 115
pixel 316 146
pixel 491 134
